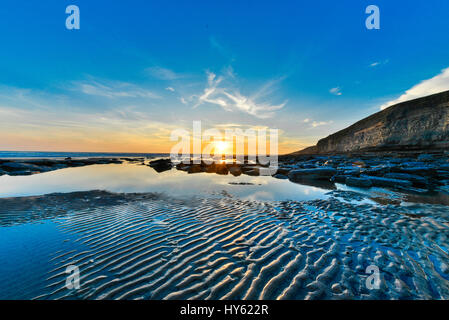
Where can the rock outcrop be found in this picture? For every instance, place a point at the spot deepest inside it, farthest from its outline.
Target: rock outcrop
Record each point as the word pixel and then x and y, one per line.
pixel 416 125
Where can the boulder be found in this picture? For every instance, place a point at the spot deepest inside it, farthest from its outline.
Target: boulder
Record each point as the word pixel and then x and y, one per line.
pixel 20 173
pixel 183 167
pixel 280 176
pixel 379 170
pixel 284 170
pixel 443 167
pixel 221 169
pixel 358 182
pixel 235 171
pixel 195 168
pixel 321 173
pixel 415 179
pixel 387 182
pixel 425 157
pixel 252 172
pixel 161 165
pixel 422 170
pixel 16 166
pixel 339 178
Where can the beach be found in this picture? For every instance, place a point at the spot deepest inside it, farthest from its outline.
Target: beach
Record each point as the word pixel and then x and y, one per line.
pixel 136 232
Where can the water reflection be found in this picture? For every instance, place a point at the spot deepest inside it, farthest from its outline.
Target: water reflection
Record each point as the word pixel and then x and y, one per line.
pixel 138 178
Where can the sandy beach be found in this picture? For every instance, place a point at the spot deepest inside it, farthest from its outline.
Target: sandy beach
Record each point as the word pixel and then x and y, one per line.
pixel 152 242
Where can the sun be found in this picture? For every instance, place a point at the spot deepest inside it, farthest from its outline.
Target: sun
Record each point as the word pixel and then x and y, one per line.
pixel 221 147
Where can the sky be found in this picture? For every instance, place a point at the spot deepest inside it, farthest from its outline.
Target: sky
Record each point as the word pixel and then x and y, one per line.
pixel 137 70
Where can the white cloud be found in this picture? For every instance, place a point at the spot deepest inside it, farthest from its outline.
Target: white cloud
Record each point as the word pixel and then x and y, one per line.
pixel 113 89
pixel 336 91
pixel 427 87
pixel 378 63
pixel 163 73
pixel 307 120
pixel 230 98
pixel 320 123
pixel 170 89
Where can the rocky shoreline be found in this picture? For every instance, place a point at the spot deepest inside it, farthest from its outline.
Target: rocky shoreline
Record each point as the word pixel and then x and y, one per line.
pixel 26 167
pixel 418 174
pixel 421 173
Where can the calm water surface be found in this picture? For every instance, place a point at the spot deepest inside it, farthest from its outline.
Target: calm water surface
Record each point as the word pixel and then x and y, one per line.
pixel 137 178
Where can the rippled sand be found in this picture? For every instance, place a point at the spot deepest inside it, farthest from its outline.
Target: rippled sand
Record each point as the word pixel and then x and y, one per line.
pixel 149 246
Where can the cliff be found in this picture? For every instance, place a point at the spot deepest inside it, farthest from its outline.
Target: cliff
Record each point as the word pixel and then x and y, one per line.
pixel 415 125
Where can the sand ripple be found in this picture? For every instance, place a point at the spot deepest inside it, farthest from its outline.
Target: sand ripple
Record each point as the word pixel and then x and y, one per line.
pixel 153 247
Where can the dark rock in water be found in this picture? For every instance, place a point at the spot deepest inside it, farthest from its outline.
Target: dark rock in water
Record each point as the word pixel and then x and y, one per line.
pixel 321 173
pixel 161 165
pixel 57 166
pixel 221 168
pixel 32 166
pixel 308 166
pixel 379 170
pixel 241 183
pixel 422 171
pixel 19 168
pixel 339 178
pixel 252 172
pixel 425 157
pixel 16 166
pixel 133 159
pixel 235 171
pixel 284 170
pixel 183 167
pixel 247 168
pixel 443 167
pixel 195 168
pixel 68 158
pixel 415 179
pixel 280 176
pixel 419 124
pixel 44 162
pixel 2 172
pixel 386 182
pixel 350 171
pixel 359 182
pixel 159 162
pixel 323 184
pixel 210 168
pixel 20 173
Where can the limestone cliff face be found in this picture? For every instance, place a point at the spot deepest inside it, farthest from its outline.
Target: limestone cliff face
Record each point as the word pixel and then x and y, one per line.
pixel 420 124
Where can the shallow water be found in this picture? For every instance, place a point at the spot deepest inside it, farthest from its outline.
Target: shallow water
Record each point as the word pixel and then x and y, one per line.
pixel 147 246
pixel 197 236
pixel 129 177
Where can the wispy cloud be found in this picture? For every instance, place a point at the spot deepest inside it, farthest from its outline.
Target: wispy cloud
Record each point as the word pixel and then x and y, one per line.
pixel 170 89
pixel 315 124
pixel 113 89
pixel 427 87
pixel 378 63
pixel 163 73
pixel 336 91
pixel 221 91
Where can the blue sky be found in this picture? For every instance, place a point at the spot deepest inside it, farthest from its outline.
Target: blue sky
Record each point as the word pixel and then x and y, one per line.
pixel 137 70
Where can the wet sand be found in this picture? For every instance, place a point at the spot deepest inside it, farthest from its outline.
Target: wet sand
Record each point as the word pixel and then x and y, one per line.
pixel 152 246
